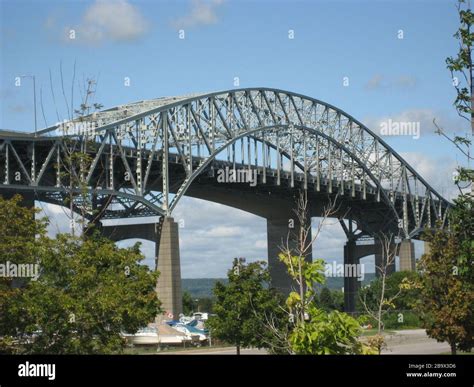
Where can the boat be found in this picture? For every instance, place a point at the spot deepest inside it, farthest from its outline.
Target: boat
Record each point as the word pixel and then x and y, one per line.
pixel 192 332
pixel 162 334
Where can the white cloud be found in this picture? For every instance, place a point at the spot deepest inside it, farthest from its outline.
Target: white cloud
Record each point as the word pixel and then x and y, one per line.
pixel 261 244
pixel 438 172
pixel 424 117
pixel 223 231
pixel 375 82
pixel 115 20
pixel 382 82
pixel 59 218
pixel 202 12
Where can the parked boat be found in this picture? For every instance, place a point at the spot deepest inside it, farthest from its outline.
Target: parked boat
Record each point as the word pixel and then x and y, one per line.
pixel 163 334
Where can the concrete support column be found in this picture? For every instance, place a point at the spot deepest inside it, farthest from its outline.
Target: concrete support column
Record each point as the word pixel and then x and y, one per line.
pixel 168 286
pixel 407 255
pixel 278 232
pixel 351 284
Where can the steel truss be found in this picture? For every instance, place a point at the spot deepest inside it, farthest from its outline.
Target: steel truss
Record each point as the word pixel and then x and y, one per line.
pixel 297 139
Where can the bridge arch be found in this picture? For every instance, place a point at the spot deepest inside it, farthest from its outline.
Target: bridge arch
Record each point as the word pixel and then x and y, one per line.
pixel 313 131
pixel 143 136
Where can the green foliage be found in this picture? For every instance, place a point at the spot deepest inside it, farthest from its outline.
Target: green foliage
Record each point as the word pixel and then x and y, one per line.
pixel 462 62
pixel 325 299
pixel 87 293
pixel 406 298
pixel 402 319
pixel 192 305
pixel 188 304
pixel 18 229
pixel 462 229
pixel 447 295
pixel 460 67
pixel 331 299
pixel 333 333
pixel 306 275
pixel 315 330
pixel 241 304
pixel 447 283
pixel 18 245
pixel 206 304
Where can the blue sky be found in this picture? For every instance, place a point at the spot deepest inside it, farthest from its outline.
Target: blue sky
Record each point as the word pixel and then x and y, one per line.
pixel 389 77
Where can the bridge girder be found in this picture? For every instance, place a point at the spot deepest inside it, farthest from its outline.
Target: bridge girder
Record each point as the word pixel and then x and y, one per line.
pixel 301 141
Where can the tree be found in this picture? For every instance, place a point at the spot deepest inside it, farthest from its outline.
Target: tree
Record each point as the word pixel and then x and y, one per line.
pixel 18 243
pixel 332 333
pixel 206 304
pixel 446 297
pixel 338 299
pixel 383 297
pixel 388 291
pixel 240 305
pixel 314 330
pixel 460 67
pixel 18 228
pixel 449 266
pixel 325 299
pixel 330 299
pixel 405 300
pixel 78 147
pixel 87 293
pixel 188 304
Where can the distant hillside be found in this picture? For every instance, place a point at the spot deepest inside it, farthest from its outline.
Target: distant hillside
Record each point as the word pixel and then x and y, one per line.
pixel 202 287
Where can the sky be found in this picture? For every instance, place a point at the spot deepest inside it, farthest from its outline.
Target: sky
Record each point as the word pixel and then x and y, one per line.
pixel 376 60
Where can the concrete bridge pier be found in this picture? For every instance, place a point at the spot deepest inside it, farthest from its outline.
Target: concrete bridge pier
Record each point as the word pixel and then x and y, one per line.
pixel 168 285
pixel 167 259
pixel 281 229
pixel 351 284
pixel 407 255
pixel 354 252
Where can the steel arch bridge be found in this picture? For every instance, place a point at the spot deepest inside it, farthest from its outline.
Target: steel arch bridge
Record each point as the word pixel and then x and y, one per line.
pixel 145 156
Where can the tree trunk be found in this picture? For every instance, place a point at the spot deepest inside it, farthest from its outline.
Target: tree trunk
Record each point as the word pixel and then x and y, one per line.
pixel 238 349
pixel 453 348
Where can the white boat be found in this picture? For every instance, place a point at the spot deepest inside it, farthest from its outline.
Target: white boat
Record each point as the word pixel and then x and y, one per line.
pixel 154 336
pixel 144 336
pixel 191 332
